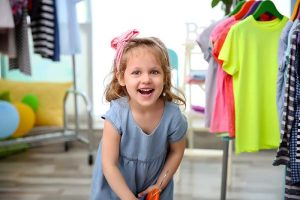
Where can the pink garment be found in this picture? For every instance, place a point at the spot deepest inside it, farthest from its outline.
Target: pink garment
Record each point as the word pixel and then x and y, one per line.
pixel 219 29
pixel 223 116
pixel 118 44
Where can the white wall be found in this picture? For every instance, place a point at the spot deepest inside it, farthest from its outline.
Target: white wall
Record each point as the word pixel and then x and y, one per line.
pixel 166 19
pixel 283 6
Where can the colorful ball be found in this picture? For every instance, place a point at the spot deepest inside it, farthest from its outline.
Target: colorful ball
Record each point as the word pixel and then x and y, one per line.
pixel 9 119
pixel 32 101
pixel 27 119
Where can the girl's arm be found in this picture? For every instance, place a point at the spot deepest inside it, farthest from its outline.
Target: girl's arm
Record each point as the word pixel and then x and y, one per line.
pixel 110 157
pixel 172 163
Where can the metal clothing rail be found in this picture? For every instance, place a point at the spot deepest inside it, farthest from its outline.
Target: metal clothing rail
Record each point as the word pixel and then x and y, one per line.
pixel 224 169
pixel 65 134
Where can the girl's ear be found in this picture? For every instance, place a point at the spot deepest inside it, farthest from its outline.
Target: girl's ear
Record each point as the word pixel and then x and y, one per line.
pixel 120 78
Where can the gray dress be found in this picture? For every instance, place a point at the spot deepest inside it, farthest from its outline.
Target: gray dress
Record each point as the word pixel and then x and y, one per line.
pixel 142 156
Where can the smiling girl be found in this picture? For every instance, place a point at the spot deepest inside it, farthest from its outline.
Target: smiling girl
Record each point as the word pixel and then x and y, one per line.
pixel 144 130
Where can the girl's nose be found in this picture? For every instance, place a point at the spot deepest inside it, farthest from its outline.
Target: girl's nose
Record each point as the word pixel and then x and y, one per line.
pixel 146 78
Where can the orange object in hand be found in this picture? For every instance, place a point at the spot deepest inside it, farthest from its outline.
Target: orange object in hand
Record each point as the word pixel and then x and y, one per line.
pixel 153 194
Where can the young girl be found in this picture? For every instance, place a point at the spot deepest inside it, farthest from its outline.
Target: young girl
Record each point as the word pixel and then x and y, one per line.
pixel 144 130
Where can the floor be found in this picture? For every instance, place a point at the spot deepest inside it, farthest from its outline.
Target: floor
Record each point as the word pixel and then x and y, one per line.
pixel 48 173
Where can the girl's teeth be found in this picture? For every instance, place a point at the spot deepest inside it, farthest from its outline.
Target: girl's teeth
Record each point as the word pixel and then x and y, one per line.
pixel 145 91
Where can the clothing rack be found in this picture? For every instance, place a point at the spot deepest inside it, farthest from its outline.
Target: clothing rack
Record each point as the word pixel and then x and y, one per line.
pixel 62 134
pixel 227 149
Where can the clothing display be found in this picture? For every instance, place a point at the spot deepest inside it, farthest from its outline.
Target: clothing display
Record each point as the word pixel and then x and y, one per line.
pixel 257 48
pixel 253 66
pixel 245 90
pixel 41 19
pixel 288 151
pixel 223 112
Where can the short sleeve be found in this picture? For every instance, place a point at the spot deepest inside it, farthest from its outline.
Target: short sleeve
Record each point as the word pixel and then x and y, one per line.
pixel 203 42
pixel 113 115
pixel 229 54
pixel 178 127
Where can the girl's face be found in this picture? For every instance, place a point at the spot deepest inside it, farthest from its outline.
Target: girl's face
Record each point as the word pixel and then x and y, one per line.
pixel 143 77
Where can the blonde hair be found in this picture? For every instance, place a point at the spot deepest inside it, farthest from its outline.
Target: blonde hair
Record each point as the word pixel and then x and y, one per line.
pixel 114 90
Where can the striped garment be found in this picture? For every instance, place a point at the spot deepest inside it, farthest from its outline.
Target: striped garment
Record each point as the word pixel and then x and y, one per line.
pixel 22 59
pixel 282 156
pixel 297 100
pixel 44 29
pixel 294 141
pixel 291 191
pixel 288 152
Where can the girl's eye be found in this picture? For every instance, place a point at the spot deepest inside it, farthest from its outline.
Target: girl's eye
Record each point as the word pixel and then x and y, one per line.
pixel 135 72
pixel 155 72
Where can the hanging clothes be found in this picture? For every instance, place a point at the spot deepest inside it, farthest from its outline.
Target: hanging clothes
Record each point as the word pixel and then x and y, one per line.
pixel 210 79
pixel 282 55
pixel 68 27
pixel 288 105
pixel 44 28
pixel 291 190
pixel 223 117
pixel 223 111
pixel 249 54
pixel 22 59
pixel 7 30
pixel 288 151
pixel 288 102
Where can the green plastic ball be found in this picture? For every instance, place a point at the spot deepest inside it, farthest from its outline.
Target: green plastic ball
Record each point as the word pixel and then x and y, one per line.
pixel 32 101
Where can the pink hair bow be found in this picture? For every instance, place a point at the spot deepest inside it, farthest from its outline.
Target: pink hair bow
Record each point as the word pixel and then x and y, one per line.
pixel 118 44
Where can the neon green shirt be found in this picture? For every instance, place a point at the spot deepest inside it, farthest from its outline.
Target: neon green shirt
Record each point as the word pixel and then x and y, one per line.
pixel 250 56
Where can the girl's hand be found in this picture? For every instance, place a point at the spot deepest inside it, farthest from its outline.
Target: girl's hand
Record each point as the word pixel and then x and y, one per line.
pixel 149 189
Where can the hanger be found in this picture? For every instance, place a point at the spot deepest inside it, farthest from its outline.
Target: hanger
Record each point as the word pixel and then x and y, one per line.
pixel 237 8
pixel 252 9
pixel 267 6
pixel 295 11
pixel 243 11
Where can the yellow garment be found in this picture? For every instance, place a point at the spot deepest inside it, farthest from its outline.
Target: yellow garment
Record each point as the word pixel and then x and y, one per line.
pixel 250 56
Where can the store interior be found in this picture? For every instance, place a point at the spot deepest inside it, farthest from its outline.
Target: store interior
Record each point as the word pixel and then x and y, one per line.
pixel 51 95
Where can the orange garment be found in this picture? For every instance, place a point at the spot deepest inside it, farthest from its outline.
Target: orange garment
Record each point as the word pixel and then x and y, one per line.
pixel 244 10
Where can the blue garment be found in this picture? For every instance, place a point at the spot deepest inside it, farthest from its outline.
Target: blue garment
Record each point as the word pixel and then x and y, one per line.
pixel 69 34
pixel 281 78
pixel 142 156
